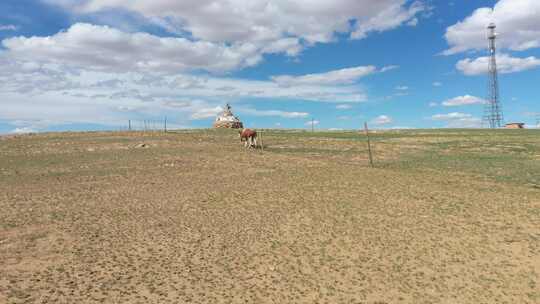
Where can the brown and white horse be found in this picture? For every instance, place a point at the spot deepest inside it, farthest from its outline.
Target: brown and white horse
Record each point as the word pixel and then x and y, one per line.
pixel 250 136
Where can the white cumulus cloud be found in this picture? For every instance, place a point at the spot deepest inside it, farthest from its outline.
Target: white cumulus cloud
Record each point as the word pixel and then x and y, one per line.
pixel 505 64
pixel 393 16
pixel 343 107
pixel 262 20
pixel 336 77
pixel 278 113
pixel 204 113
pixel 102 48
pixel 451 116
pixel 382 120
pixel 8 27
pixel 458 120
pixel 517 23
pixel 389 68
pixel 45 95
pixel 23 130
pixel 462 101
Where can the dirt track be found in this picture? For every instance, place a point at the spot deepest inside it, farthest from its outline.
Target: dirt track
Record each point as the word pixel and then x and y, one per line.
pixel 193 218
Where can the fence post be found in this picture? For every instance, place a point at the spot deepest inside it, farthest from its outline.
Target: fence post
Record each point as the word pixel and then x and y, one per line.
pixel 165 124
pixel 262 143
pixel 368 144
pixel 129 125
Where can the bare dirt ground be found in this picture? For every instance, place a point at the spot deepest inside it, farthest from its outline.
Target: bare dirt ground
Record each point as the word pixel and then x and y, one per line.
pixel 445 217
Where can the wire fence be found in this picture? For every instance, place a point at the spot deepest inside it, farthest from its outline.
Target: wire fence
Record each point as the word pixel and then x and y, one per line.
pixel 147 125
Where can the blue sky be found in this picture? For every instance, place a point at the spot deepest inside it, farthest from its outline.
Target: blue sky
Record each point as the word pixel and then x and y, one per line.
pixel 95 64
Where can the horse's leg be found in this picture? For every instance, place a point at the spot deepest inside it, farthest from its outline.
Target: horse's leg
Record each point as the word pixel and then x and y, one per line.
pixel 255 141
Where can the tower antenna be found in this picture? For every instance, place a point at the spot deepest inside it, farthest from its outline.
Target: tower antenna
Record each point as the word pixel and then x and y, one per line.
pixel 493 116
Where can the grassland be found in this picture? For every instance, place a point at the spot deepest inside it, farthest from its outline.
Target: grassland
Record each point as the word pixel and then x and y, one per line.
pixel 446 216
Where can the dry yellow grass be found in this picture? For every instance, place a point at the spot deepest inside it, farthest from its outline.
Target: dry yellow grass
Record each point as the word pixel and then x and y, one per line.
pixel 194 218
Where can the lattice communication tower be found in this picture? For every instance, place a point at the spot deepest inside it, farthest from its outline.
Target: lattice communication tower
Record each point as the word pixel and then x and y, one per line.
pixel 493 116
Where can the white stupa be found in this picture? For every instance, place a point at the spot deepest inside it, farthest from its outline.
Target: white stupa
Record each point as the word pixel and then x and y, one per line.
pixel 226 119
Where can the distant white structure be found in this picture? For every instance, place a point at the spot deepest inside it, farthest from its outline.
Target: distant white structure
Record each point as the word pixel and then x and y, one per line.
pixel 226 119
